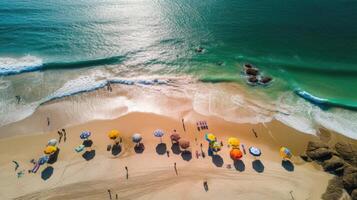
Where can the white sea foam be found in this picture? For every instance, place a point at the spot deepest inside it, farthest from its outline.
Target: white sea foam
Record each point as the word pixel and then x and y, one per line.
pixel 9 65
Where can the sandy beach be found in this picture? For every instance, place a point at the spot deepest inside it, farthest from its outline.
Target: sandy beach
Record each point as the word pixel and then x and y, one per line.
pixel 152 174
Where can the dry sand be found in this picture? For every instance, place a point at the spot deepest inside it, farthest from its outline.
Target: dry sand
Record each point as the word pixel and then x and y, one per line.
pixel 152 176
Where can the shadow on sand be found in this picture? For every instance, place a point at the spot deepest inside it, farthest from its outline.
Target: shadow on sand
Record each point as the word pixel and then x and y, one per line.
pixel 186 155
pixel 161 149
pixel 53 158
pixel 116 149
pixel 89 155
pixel 176 148
pixel 288 165
pixel 217 160
pixel 258 166
pixel 139 148
pixel 87 143
pixel 239 165
pixel 47 173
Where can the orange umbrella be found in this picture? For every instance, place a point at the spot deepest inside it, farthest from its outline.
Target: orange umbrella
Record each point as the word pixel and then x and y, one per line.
pixel 236 154
pixel 50 150
pixel 113 134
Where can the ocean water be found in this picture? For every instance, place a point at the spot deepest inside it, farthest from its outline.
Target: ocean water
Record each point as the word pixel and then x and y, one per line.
pixel 49 49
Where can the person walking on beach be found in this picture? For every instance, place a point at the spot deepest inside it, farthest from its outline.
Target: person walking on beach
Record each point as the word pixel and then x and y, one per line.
pixel 109 87
pixel 65 135
pixel 205 185
pixel 127 172
pixel 183 124
pixel 110 194
pixel 168 153
pixel 255 133
pixel 18 98
pixel 48 121
pixel 60 136
pixel 175 168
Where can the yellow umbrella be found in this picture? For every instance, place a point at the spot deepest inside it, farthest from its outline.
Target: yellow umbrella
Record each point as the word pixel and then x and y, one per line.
pixel 285 153
pixel 234 142
pixel 210 137
pixel 113 134
pixel 50 150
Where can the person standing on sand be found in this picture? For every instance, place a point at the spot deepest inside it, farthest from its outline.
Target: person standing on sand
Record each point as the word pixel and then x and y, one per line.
pixel 127 172
pixel 65 135
pixel 110 194
pixel 48 121
pixel 175 168
pixel 60 136
pixel 205 185
pixel 183 124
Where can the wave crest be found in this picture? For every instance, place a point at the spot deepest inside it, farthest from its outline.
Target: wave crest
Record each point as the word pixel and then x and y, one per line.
pixel 9 65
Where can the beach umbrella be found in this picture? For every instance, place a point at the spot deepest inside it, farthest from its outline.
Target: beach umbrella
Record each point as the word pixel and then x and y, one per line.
pixel 175 137
pixel 184 144
pixel 85 135
pixel 52 142
pixel 159 133
pixel 137 138
pixel 233 142
pixel 50 150
pixel 255 151
pixel 285 153
pixel 210 137
pixel 113 134
pixel 236 154
pixel 216 146
pixel 43 160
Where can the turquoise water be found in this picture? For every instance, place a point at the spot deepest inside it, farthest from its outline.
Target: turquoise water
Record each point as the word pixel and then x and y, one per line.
pixel 303 44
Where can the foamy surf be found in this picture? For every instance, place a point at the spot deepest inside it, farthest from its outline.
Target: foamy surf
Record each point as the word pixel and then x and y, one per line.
pixel 9 65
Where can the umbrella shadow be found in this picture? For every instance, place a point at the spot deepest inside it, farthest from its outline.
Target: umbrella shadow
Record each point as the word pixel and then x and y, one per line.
pixel 47 173
pixel 258 166
pixel 239 165
pixel 288 165
pixel 217 160
pixel 87 143
pixel 116 149
pixel 89 155
pixel 53 158
pixel 139 148
pixel 176 148
pixel 186 155
pixel 161 149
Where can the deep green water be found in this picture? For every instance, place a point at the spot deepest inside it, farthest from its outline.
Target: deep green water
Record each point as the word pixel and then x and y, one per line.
pixel 305 44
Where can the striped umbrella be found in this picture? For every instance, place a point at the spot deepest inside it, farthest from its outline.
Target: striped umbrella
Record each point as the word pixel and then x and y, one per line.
pixel 159 133
pixel 43 160
pixel 85 135
pixel 285 153
pixel 210 137
pixel 255 151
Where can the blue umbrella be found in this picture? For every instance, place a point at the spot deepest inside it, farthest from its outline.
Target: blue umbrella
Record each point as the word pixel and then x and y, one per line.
pixel 85 135
pixel 159 133
pixel 255 151
pixel 43 160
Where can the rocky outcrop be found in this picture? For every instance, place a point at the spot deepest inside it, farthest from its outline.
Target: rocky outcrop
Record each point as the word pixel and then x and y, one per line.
pixel 253 79
pixel 265 79
pixel 252 71
pixel 348 152
pixel 341 161
pixel 335 165
pixel 334 190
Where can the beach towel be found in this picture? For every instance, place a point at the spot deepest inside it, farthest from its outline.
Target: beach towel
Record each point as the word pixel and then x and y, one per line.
pixel 35 168
pixel 79 148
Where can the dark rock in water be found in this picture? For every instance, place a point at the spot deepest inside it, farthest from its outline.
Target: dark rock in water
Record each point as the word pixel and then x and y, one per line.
pixel 354 194
pixel 334 189
pixel 199 50
pixel 313 145
pixel 320 154
pixel 350 180
pixel 252 71
pixel 253 79
pixel 265 79
pixel 348 152
pixel 247 65
pixel 335 164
